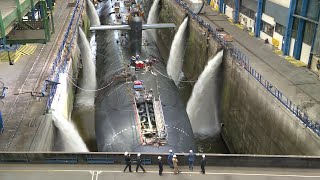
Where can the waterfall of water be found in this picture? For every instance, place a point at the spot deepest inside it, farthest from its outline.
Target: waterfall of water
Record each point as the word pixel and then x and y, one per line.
pixel 153 17
pixel 202 107
pixel 72 142
pixel 88 81
pixel 175 62
pixel 93 14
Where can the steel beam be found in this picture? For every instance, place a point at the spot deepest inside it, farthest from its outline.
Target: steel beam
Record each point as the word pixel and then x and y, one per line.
pixel 257 27
pixel 236 11
pixel 288 33
pixel 305 18
pixel 300 32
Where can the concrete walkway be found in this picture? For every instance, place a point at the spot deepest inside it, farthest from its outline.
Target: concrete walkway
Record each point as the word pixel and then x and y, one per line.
pixel 20 109
pixel 99 172
pixel 299 84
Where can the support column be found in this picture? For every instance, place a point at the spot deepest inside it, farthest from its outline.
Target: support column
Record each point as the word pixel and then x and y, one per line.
pixel 33 10
pixel 221 5
pixel 44 15
pixel 314 40
pixel 236 11
pixel 51 15
pixel 300 32
pixel 19 11
pixel 257 27
pixel 288 33
pixel 3 30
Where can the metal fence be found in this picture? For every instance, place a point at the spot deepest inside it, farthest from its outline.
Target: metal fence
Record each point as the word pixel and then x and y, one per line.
pixel 60 62
pixel 243 60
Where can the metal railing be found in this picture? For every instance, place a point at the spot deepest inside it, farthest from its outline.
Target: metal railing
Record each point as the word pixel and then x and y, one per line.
pixel 243 61
pixel 236 160
pixel 60 63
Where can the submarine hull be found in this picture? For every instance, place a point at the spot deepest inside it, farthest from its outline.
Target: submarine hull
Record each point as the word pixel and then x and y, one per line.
pixel 117 124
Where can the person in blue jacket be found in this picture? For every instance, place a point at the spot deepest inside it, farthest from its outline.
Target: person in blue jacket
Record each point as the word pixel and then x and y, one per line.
pixel 170 156
pixel 191 158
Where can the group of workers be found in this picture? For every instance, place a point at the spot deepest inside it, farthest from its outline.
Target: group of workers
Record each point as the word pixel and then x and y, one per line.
pixel 172 162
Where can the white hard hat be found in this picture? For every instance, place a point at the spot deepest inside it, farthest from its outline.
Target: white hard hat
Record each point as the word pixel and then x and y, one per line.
pixel 138 154
pixel 190 151
pixel 203 155
pixel 174 155
pixel 170 150
pixel 159 157
pixel 126 153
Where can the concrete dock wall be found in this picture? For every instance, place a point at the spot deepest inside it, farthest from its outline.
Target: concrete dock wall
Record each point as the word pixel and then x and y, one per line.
pixel 254 120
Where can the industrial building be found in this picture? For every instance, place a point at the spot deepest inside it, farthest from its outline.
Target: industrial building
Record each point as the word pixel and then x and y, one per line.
pixel 290 26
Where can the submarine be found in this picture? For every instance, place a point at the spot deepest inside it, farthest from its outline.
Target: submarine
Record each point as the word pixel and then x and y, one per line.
pixel 138 108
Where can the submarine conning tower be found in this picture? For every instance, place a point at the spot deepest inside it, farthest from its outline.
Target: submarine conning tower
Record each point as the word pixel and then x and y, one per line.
pixel 135 35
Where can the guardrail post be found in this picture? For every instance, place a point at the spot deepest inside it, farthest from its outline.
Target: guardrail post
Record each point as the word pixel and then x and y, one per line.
pixel 1 123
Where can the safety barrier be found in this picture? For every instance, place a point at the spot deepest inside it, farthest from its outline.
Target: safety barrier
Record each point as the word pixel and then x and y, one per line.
pixel 116 158
pixel 60 64
pixel 243 60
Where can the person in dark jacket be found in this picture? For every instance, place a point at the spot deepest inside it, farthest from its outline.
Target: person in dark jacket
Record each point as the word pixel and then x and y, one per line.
pixel 128 161
pixel 203 164
pixel 160 166
pixel 139 163
pixel 170 156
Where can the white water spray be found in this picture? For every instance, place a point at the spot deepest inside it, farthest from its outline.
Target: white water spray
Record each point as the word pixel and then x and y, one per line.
pixel 175 62
pixel 72 142
pixel 153 17
pixel 88 82
pixel 93 14
pixel 202 107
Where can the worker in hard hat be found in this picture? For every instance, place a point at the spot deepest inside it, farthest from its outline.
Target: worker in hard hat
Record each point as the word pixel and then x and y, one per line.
pixel 203 164
pixel 169 160
pixel 191 158
pixel 139 163
pixel 175 164
pixel 127 159
pixel 160 165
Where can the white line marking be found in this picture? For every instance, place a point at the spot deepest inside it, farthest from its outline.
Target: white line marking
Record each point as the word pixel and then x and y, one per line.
pixel 156 172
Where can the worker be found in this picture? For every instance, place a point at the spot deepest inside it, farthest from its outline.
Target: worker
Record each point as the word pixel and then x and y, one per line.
pixel 139 163
pixel 203 164
pixel 160 165
pixel 132 61
pixel 170 156
pixel 128 161
pixel 175 164
pixel 191 158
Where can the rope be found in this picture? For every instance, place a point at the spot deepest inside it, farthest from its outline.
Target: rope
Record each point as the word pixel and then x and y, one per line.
pixel 89 90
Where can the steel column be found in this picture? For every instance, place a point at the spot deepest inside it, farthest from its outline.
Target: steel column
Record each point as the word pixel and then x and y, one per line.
pixel 44 15
pixel 221 4
pixel 288 33
pixel 3 30
pixel 51 15
pixel 257 27
pixel 33 10
pixel 236 11
pixel 313 41
pixel 300 32
pixel 19 10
